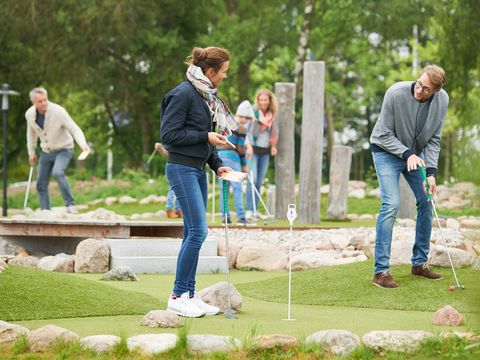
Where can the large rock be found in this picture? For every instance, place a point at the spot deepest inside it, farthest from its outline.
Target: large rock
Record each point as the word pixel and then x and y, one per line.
pixel 447 315
pixel 102 214
pixel 207 343
pixel 401 251
pixel 25 261
pixel 161 318
pixel 312 260
pixel 92 256
pixel 357 193
pixel 324 244
pixel 453 224
pixel 109 201
pixel 276 341
pixel 3 265
pixel 8 249
pixel 127 200
pixel 337 342
pixel 217 295
pixel 476 263
pixel 233 251
pixel 9 333
pixel 152 343
pixel 439 257
pixel 358 242
pixel 339 241
pixel 356 184
pixel 40 339
pixel 470 223
pixel 261 256
pixel 395 340
pixel 100 343
pixel 56 263
pixel 120 273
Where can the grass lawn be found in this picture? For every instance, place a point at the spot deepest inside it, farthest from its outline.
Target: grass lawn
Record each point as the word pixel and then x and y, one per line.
pixel 326 306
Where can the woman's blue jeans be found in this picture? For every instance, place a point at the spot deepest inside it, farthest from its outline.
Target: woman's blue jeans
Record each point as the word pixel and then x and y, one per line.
pixel 54 163
pixel 260 166
pixel 237 189
pixel 191 189
pixel 388 168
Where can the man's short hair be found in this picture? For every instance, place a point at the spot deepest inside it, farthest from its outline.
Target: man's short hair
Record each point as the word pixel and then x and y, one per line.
pixel 37 90
pixel 436 75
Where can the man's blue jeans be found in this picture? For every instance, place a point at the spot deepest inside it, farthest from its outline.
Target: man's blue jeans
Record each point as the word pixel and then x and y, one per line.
pixel 260 166
pixel 237 189
pixel 171 200
pixel 190 186
pixel 54 164
pixel 388 168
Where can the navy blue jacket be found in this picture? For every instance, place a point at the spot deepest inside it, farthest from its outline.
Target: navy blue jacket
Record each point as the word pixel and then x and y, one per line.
pixel 185 124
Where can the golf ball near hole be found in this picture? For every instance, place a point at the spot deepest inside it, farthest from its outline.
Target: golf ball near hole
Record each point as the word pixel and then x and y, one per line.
pixel 452 288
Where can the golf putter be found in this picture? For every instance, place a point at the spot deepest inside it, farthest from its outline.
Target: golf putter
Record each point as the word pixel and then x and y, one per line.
pixel 30 174
pixel 430 196
pixel 228 313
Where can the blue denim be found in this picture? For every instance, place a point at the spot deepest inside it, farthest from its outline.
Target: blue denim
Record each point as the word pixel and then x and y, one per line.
pixel 388 168
pixel 237 189
pixel 259 165
pixel 54 164
pixel 190 187
pixel 171 199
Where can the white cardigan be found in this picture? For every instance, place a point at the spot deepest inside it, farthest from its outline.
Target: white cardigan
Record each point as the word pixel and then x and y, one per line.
pixel 58 131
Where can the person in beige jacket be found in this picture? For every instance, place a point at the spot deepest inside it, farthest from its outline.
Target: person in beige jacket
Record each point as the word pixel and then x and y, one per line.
pixel 53 125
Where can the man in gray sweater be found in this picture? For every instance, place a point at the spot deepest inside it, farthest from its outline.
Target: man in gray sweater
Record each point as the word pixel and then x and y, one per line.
pixel 56 130
pixel 405 137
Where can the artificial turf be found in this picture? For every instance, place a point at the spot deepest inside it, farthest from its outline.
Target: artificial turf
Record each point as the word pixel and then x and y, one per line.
pixel 27 294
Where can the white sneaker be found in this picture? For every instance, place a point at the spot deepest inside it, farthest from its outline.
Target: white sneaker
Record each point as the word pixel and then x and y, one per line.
pixel 184 306
pixel 72 209
pixel 209 309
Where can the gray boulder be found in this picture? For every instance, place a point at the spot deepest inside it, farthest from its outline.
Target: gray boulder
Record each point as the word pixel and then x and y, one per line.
pixel 337 342
pixel 152 343
pixel 100 343
pixel 217 295
pixel 30 262
pixel 56 264
pixel 207 343
pixel 92 256
pixel 9 333
pixel 439 257
pixel 276 341
pixel 120 273
pixel 395 340
pixel 447 316
pixel 40 339
pixel 161 318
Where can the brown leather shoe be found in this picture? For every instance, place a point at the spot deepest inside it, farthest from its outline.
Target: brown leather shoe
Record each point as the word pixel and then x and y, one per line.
pixel 384 280
pixel 179 213
pixel 424 270
pixel 171 214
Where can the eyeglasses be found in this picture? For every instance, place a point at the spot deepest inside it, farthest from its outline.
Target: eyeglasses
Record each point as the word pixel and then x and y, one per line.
pixel 425 89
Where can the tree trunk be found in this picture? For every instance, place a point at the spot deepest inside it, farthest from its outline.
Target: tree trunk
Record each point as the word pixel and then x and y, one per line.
pixel 330 129
pixel 285 159
pixel 339 176
pixel 312 142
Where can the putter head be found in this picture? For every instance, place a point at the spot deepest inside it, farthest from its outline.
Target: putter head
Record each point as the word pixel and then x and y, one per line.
pixel 460 287
pixel 230 314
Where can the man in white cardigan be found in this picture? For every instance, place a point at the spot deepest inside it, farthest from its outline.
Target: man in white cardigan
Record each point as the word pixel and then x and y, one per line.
pixel 53 125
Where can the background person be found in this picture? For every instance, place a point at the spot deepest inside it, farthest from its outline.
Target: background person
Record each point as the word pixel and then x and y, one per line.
pixel 261 142
pixel 172 206
pixel 190 114
pixel 53 125
pixel 406 136
pixel 235 158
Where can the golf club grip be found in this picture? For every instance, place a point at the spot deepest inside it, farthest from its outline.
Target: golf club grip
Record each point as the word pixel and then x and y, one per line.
pixel 225 196
pixel 424 175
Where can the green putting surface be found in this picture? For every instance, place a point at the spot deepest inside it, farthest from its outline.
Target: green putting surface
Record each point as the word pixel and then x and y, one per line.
pixel 266 316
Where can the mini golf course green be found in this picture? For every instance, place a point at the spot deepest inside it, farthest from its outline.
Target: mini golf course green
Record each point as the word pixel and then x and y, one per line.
pixel 340 297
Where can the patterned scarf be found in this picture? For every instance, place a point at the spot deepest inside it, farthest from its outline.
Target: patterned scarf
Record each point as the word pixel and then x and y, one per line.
pixel 221 113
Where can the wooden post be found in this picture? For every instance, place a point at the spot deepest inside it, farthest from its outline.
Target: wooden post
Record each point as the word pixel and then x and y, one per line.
pixel 339 176
pixel 285 159
pixel 407 208
pixel 312 142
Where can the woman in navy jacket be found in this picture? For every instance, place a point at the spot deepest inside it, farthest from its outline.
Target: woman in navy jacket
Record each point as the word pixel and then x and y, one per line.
pixel 190 114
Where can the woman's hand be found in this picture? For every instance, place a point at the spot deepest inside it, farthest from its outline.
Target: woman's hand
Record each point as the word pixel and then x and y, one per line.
pixel 223 169
pixel 216 139
pixel 273 150
pixel 249 151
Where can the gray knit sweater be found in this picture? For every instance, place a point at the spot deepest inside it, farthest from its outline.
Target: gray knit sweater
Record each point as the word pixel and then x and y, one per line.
pixel 397 129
